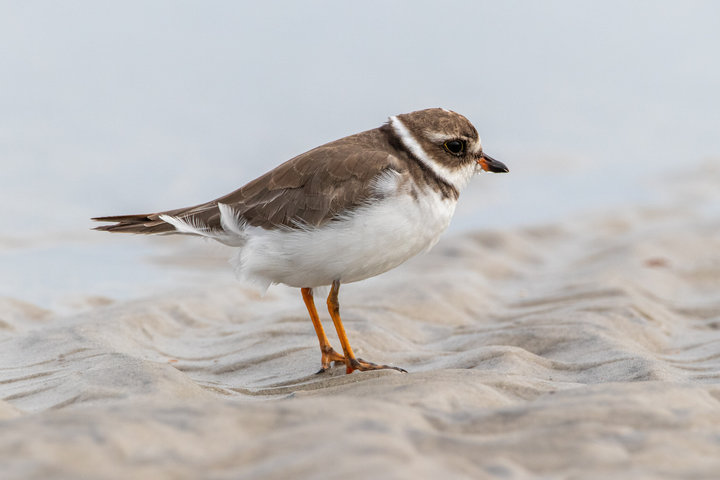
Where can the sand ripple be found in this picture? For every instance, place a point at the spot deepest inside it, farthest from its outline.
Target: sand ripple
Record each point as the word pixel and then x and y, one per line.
pixel 590 349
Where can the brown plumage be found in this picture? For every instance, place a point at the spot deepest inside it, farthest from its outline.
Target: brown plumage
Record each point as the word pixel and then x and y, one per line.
pixel 308 190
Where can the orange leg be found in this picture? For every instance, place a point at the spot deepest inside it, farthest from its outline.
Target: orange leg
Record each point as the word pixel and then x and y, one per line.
pixel 327 353
pixel 351 363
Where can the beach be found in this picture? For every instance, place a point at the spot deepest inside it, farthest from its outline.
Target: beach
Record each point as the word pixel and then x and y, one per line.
pixel 585 348
pixel 566 326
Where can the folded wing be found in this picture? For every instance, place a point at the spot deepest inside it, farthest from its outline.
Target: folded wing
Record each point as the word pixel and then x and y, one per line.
pixel 306 191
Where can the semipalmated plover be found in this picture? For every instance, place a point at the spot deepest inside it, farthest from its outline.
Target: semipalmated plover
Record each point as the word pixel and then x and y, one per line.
pixel 342 212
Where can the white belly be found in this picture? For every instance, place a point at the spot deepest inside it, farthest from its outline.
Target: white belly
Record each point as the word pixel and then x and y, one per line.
pixel 375 239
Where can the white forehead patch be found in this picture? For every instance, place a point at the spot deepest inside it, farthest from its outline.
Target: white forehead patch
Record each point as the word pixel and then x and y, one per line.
pixel 478 146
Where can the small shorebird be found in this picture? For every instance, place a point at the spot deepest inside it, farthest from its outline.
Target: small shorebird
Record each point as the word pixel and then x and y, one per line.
pixel 342 212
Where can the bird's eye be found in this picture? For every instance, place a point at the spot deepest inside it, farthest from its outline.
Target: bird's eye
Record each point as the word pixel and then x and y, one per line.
pixel 456 147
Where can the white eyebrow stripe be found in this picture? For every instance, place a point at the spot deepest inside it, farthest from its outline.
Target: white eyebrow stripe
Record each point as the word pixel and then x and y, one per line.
pixel 454 178
pixel 438 137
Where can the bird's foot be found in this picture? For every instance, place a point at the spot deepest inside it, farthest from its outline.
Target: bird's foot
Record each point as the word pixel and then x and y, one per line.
pixel 363 366
pixel 329 355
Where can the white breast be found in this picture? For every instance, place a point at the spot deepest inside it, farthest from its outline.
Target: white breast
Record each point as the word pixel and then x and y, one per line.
pixel 372 240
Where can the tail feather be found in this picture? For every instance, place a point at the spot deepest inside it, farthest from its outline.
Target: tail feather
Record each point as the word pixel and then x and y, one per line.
pixel 212 220
pixel 147 224
pixel 143 217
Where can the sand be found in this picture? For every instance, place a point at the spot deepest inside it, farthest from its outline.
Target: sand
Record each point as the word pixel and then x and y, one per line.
pixel 588 348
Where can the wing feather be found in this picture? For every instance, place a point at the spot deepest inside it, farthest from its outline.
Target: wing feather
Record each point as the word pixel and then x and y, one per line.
pixel 308 190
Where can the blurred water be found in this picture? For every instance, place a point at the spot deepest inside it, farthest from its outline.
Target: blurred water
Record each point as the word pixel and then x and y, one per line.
pixel 140 106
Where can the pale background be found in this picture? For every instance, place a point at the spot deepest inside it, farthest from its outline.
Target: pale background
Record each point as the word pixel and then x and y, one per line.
pixel 136 106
